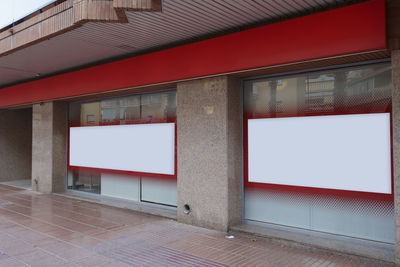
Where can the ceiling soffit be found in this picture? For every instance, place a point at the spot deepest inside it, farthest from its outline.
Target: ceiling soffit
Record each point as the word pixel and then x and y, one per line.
pixel 69 15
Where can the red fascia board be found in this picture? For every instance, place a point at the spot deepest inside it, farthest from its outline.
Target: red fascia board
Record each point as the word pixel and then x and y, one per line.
pixel 353 29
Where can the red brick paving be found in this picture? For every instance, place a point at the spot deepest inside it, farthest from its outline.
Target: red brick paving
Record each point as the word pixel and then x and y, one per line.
pixel 47 230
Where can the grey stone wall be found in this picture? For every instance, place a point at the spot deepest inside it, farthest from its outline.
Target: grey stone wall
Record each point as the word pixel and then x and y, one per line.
pixel 15 144
pixel 396 144
pixel 209 134
pixel 49 154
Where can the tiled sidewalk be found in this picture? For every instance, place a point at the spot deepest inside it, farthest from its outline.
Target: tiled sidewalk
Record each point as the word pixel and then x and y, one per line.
pixel 48 230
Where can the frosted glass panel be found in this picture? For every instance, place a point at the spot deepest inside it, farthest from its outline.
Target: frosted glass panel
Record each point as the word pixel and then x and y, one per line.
pixel 120 186
pixel 344 152
pixel 159 190
pixel 363 218
pixel 147 148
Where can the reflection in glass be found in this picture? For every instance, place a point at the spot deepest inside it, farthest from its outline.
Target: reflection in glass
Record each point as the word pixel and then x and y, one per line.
pixel 86 181
pixel 364 89
pixel 156 107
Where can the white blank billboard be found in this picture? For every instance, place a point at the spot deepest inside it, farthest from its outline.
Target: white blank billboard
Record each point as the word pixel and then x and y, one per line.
pixel 344 152
pixel 148 148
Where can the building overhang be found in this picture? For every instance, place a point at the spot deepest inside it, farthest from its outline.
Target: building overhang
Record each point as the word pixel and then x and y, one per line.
pixel 66 16
pixel 73 34
pixel 307 39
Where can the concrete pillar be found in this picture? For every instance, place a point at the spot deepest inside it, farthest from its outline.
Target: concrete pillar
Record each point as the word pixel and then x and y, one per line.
pixel 396 144
pixel 49 154
pixel 209 134
pixel 15 144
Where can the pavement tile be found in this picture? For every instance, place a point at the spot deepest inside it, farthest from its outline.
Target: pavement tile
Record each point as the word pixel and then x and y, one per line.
pixel 49 230
pixel 40 259
pixel 10 262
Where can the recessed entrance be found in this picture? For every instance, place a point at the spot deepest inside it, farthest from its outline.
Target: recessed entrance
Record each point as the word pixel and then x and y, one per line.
pixel 16 147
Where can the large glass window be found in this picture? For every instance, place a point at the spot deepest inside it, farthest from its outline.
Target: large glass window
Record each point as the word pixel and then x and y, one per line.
pixel 293 151
pixel 344 91
pixel 157 107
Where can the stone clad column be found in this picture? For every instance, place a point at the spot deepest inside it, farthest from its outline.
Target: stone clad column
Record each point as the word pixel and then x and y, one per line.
pixel 209 136
pixel 49 154
pixel 396 144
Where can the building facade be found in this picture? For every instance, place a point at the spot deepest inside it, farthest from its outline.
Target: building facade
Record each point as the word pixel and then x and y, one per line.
pixel 252 116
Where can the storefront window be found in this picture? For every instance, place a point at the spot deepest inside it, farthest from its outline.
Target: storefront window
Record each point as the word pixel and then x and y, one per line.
pixel 137 109
pixel 330 173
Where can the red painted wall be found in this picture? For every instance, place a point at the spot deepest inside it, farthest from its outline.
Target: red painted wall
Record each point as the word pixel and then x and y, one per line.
pixel 348 30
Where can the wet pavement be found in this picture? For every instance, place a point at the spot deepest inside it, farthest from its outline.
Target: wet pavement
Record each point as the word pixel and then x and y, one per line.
pixel 50 230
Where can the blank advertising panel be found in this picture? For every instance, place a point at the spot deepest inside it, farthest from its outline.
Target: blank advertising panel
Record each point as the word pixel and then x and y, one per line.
pixel 147 148
pixel 343 152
